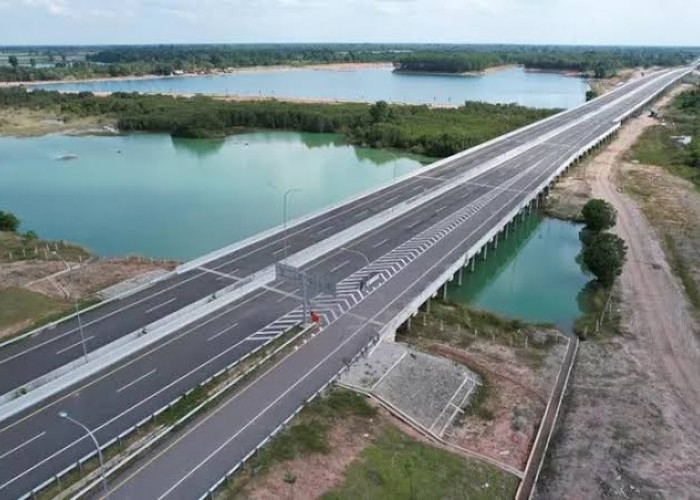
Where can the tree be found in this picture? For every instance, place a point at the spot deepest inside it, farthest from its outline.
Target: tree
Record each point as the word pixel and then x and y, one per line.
pixel 604 256
pixel 8 222
pixel 379 111
pixel 32 62
pixel 599 215
pixel 13 61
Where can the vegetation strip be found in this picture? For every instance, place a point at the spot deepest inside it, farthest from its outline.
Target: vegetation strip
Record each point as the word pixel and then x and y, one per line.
pixel 59 63
pixel 182 409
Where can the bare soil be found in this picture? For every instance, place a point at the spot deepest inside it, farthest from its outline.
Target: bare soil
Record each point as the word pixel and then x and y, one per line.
pixel 24 122
pixel 517 393
pixel 317 473
pixel 50 278
pixel 631 425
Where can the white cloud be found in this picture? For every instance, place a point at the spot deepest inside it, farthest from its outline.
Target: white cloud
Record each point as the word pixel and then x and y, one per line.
pixel 652 22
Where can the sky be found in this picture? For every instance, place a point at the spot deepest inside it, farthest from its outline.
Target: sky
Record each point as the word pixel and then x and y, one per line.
pixel 595 22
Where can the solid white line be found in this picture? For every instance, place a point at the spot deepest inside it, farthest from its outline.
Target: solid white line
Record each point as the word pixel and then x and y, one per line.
pixel 124 387
pixel 161 305
pixel 21 445
pixel 339 266
pixel 219 273
pixel 325 229
pixel 278 251
pixel 73 345
pixel 222 332
pixel 147 398
pixel 380 243
pixel 360 214
pixel 387 372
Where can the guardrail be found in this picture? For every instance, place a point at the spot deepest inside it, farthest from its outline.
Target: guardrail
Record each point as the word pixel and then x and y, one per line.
pixel 221 481
pixel 63 377
pixel 177 424
pixel 430 291
pixel 392 325
pixel 298 221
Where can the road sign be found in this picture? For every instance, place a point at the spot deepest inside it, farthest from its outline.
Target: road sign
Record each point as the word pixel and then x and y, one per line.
pixel 315 283
pixel 310 284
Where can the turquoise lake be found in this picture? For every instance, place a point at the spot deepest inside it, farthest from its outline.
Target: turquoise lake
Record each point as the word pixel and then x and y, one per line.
pixel 536 89
pixel 533 274
pixel 153 195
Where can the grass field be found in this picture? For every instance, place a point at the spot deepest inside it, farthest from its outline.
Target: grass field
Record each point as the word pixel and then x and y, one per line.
pixel 20 306
pixel 397 466
pixel 15 247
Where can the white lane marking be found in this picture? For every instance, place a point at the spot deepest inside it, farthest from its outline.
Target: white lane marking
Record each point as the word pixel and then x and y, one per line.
pixel 146 399
pixel 289 295
pixel 441 209
pixel 376 245
pixel 220 275
pixel 339 266
pixel 97 320
pixel 274 402
pixel 325 229
pixel 73 345
pixel 360 214
pixel 161 305
pixel 222 332
pixel 136 381
pixel 7 453
pixel 351 336
pixel 389 200
pixel 278 251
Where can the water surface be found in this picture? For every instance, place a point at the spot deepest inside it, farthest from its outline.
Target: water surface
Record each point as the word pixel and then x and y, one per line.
pixel 542 90
pixel 157 196
pixel 533 274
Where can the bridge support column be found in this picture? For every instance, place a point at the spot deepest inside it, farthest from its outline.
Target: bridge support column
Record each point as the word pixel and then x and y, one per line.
pixel 506 229
pixel 473 262
pixel 485 250
pixel 495 241
pixel 459 277
pixel 427 307
pixel 444 292
pixel 408 324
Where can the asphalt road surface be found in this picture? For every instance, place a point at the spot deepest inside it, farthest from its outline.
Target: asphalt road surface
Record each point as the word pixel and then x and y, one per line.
pixel 37 444
pixel 40 354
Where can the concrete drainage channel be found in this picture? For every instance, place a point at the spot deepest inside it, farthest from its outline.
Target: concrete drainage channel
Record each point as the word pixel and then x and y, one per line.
pixel 217 389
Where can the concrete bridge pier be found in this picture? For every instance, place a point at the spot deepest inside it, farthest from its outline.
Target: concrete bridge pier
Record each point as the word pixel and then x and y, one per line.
pixel 459 276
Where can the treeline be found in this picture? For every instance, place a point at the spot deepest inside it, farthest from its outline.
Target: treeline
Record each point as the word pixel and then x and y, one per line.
pixel 436 132
pixel 436 62
pixel 594 63
pixel 112 61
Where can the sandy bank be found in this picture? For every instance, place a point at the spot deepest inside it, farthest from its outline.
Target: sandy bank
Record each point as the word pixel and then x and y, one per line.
pixel 228 71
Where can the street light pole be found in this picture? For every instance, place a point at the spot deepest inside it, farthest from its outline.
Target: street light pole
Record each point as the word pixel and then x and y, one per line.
pixel 75 303
pixel 395 164
pixel 284 215
pixel 65 416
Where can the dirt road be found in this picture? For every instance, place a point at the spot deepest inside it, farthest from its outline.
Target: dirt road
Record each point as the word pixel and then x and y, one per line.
pixel 632 423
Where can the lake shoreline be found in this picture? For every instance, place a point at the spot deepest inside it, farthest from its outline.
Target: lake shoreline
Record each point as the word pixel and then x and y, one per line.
pixel 492 69
pixel 233 71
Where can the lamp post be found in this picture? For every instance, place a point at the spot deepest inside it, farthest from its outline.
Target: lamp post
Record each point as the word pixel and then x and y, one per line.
pixel 395 164
pixel 284 214
pixel 75 303
pixel 65 416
